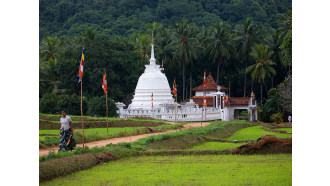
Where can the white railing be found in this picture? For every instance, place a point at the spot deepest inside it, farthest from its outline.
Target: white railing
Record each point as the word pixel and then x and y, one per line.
pixel 188 114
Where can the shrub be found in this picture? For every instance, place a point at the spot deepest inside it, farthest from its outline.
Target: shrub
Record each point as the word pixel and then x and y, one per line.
pixel 97 107
pixel 48 103
pixel 71 103
pixel 277 118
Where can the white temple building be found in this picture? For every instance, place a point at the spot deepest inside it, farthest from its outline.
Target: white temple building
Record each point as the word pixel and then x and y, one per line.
pixel 162 106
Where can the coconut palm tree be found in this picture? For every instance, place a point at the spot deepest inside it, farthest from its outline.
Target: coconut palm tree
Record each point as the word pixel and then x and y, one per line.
pixel 219 44
pixel 49 77
pixel 274 42
pixel 262 69
pixel 49 48
pixel 185 39
pixel 164 43
pixel 247 36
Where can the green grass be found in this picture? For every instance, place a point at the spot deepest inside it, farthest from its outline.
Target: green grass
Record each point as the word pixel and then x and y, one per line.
pixel 253 133
pixel 56 117
pixel 95 131
pixel 285 129
pixel 275 169
pixel 95 134
pixel 215 146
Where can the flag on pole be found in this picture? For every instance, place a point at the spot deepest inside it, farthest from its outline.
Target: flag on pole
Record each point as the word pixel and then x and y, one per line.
pixel 174 89
pixel 152 99
pixel 204 101
pixel 204 82
pixel 81 67
pixel 105 84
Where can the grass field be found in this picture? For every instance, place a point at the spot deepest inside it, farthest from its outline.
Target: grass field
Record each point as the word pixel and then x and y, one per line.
pixel 187 170
pixel 93 132
pixel 215 146
pixel 285 129
pixel 253 133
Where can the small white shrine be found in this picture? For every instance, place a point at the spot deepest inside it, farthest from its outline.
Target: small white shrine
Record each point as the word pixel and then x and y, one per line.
pixel 153 99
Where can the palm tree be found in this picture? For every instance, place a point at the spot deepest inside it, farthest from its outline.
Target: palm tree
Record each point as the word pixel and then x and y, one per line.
pixel 219 44
pixel 141 43
pixel 247 37
pixel 164 43
pixel 185 35
pixel 262 69
pixel 89 33
pixel 274 42
pixel 49 47
pixel 49 77
pixel 285 30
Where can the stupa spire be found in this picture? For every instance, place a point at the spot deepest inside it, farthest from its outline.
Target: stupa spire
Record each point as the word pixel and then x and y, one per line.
pixel 152 56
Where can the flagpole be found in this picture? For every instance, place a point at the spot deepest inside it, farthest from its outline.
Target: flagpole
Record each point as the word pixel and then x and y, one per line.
pixel 106 100
pixel 81 111
pixel 176 103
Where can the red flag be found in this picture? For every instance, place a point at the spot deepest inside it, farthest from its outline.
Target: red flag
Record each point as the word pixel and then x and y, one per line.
pixel 204 82
pixel 81 67
pixel 105 84
pixel 174 89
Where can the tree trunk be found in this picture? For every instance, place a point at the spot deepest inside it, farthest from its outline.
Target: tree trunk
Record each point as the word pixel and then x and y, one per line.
pixel 187 88
pixel 229 87
pixel 245 76
pixel 218 71
pixel 190 82
pixel 252 86
pixel 183 79
pixel 261 93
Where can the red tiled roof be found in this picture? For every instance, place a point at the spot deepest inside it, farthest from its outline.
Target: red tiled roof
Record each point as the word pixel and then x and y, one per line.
pixel 209 85
pixel 200 100
pixel 238 101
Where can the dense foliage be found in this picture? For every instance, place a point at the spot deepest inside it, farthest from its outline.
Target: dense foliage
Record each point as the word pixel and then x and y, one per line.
pixel 237 41
pixel 124 17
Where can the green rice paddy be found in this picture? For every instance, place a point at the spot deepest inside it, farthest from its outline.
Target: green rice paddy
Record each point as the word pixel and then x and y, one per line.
pixel 215 146
pixel 253 133
pixel 274 169
pixel 98 131
pixel 285 129
pixel 94 134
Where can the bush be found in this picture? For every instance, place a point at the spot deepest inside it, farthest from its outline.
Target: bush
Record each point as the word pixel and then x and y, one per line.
pixel 48 104
pixel 71 103
pixel 97 107
pixel 277 118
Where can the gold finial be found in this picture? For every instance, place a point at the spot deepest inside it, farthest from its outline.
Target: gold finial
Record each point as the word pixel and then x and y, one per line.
pixel 253 96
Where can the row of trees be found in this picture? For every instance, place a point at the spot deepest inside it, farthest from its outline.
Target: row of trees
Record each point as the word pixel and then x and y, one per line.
pixel 229 52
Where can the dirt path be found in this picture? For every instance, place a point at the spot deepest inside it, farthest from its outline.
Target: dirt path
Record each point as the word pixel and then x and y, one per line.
pixel 123 139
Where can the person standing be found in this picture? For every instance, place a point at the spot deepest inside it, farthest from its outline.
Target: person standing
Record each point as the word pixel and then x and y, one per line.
pixel 65 131
pixel 290 119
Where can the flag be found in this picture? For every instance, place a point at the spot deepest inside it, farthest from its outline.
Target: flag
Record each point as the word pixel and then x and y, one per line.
pixel 204 101
pixel 226 98
pixel 204 82
pixel 105 84
pixel 81 67
pixel 174 89
pixel 162 63
pixel 152 99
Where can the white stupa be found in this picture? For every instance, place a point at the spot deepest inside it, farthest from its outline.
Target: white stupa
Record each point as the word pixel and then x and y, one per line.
pixel 152 81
